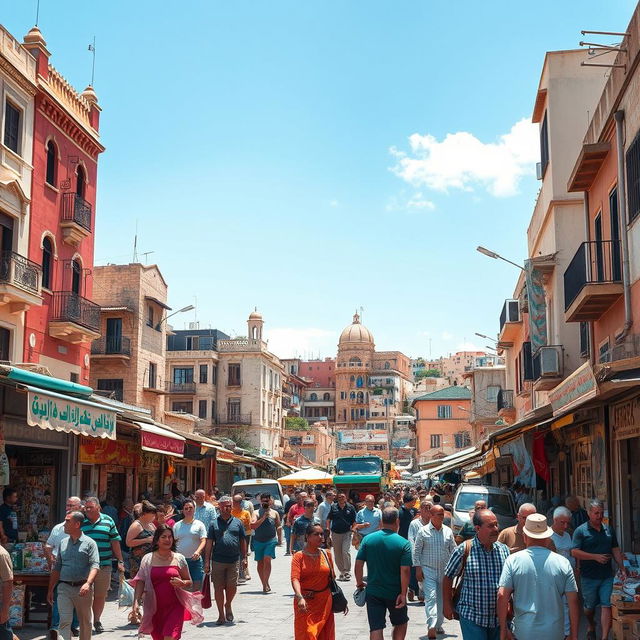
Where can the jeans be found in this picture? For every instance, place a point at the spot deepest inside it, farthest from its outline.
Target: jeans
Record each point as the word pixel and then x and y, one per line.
pixel 55 613
pixel 473 631
pixel 413 581
pixel 5 631
pixel 287 537
pixel 432 588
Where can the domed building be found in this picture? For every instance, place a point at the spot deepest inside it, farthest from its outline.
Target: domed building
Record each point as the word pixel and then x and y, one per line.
pixel 371 389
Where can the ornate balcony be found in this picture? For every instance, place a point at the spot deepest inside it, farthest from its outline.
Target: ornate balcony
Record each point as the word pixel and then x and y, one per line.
pixel 112 348
pixel 20 282
pixel 185 388
pixel 76 218
pixel 593 280
pixel 73 318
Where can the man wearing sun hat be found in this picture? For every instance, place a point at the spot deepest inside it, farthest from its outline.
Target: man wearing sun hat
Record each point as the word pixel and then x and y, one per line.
pixel 537 578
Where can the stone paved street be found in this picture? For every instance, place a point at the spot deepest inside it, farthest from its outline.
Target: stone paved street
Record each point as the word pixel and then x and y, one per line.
pixel 260 615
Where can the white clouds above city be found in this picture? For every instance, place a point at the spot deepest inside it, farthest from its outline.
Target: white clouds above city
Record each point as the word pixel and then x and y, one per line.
pixel 462 161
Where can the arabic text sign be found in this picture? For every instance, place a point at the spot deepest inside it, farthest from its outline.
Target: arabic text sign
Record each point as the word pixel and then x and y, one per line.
pixel 581 385
pixel 158 442
pixel 105 451
pixel 362 435
pixel 625 419
pixel 63 414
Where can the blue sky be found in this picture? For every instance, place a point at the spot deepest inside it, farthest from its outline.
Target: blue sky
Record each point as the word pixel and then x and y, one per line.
pixel 292 155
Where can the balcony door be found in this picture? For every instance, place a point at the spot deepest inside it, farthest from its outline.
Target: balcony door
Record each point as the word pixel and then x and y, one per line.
pixel 599 248
pixel 80 181
pixel 616 262
pixel 114 335
pixel 76 276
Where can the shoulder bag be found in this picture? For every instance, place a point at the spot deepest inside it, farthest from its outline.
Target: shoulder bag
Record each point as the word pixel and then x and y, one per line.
pixel 339 602
pixel 456 589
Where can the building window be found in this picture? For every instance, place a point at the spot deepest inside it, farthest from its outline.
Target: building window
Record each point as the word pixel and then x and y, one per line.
pixel 76 276
pixel 182 407
pixel 5 344
pixel 444 411
pixel 462 439
pixel 153 374
pixel 213 410
pixel 204 373
pixel 492 393
pixel 234 375
pixel 202 408
pixel 214 374
pixel 387 365
pixel 47 263
pixel 80 181
pixel 233 408
pixel 313 397
pixel 603 352
pixel 12 126
pixel 74 377
pixel 182 375
pixel 193 343
pixel 544 145
pixel 52 156
pixel 343 395
pixel 114 386
pixel 326 397
pixel 633 178
pixel 435 441
pixel 149 316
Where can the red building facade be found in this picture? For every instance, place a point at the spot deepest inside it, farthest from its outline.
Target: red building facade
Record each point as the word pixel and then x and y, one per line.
pixel 61 235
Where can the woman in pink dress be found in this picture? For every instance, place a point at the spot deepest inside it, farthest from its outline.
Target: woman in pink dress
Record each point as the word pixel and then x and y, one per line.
pixel 162 578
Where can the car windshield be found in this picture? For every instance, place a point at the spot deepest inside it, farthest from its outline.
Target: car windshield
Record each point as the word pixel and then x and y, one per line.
pixel 363 466
pixel 253 491
pixel 499 503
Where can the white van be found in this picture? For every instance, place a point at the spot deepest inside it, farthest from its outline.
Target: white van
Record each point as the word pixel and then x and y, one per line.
pixel 254 487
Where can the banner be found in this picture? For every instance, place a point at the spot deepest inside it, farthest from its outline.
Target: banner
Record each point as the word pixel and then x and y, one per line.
pixel 105 451
pixel 54 411
pixel 577 388
pixel 347 436
pixel 537 306
pixel 523 468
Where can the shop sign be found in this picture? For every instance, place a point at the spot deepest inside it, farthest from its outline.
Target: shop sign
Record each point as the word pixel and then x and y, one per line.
pixel 162 443
pixel 104 451
pixel 625 419
pixel 60 413
pixel 579 387
pixel 362 435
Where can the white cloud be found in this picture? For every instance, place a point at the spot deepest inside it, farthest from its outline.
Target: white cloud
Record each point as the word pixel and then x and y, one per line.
pixel 446 335
pixel 418 201
pixel 286 342
pixel 415 202
pixel 468 346
pixel 461 161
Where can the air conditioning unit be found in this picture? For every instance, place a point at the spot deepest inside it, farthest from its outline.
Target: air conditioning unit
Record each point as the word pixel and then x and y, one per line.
pixel 513 311
pixel 550 365
pixel 539 170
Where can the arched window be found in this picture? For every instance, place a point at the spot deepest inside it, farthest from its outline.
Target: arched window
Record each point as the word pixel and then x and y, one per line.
pixel 359 382
pixel 313 397
pixel 47 263
pixel 355 360
pixel 352 395
pixel 76 276
pixel 387 365
pixel 326 397
pixel 80 181
pixel 51 163
pixel 360 396
pixel 352 379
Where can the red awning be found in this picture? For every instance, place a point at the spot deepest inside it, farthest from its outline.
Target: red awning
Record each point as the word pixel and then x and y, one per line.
pixel 156 439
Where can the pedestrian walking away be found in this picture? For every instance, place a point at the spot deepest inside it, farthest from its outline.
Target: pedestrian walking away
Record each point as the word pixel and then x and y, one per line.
pixel 311 570
pixel 162 581
pixel 340 521
pixel 513 536
pixel 267 534
pixel 102 529
pixel 74 573
pixel 594 545
pixel 191 537
pixel 479 562
pixel 537 579
pixel 387 556
pixel 226 544
pixel 433 547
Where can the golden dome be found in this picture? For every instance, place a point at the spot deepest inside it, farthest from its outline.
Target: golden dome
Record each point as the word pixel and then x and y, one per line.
pixel 356 332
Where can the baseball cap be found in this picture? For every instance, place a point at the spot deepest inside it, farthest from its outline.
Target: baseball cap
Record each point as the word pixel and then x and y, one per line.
pixel 536 527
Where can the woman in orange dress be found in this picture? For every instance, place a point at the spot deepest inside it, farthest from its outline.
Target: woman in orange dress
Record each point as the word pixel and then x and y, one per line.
pixel 310 572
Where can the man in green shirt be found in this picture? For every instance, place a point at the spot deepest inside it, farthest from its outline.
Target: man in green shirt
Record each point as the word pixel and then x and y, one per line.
pixel 388 558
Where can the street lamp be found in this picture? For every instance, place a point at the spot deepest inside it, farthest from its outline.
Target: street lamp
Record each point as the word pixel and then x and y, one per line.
pixel 183 310
pixel 496 256
pixel 481 335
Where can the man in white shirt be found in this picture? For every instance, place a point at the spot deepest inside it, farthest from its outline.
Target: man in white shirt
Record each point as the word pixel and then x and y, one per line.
pixel 205 511
pixel 414 527
pixel 432 549
pixel 322 512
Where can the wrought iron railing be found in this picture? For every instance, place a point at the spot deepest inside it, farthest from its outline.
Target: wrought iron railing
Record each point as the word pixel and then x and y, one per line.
pixel 505 399
pixel 71 307
pixel 597 261
pixel 111 345
pixel 233 418
pixel 20 272
pixel 76 209
pixel 181 387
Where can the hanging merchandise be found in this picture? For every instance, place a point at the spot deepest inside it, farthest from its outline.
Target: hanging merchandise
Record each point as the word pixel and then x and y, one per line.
pixel 4 469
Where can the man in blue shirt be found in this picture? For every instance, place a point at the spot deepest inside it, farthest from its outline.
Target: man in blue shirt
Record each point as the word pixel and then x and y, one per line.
pixel 594 543
pixel 8 516
pixel 369 518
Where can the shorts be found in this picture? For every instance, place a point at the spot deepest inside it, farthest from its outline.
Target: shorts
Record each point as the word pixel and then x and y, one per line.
pixel 102 582
pixel 195 569
pixel 377 611
pixel 596 592
pixel 225 574
pixel 262 549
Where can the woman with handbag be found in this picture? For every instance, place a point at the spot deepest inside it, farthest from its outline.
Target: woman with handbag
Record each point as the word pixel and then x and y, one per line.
pixel 311 576
pixel 140 534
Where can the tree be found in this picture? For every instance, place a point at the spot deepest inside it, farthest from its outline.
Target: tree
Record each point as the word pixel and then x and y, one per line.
pixel 428 373
pixel 296 424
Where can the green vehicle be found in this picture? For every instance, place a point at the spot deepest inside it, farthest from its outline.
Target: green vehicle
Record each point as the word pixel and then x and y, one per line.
pixel 361 475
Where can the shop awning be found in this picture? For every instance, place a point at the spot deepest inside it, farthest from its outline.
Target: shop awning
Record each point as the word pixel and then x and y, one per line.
pixel 457 463
pixel 452 457
pixel 58 412
pixel 157 439
pixel 25 377
pixel 537 418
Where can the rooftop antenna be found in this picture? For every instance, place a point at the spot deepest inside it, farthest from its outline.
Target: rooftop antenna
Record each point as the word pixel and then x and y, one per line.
pixel 135 244
pixel 195 309
pixel 37 11
pixel 361 314
pixel 92 48
pixel 145 254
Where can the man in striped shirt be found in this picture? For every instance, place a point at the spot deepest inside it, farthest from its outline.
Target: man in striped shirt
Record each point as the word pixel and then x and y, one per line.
pixel 102 529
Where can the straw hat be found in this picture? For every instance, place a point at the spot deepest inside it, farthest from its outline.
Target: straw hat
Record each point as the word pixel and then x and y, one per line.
pixel 536 527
